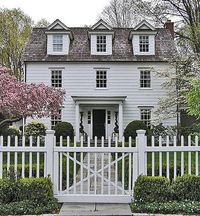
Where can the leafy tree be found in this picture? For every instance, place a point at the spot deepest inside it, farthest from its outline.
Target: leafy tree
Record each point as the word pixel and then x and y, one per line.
pixel 193 98
pixel 19 99
pixel 42 23
pixel 15 27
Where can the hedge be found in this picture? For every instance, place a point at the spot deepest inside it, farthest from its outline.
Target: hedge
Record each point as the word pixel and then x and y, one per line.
pixel 160 195
pixel 27 196
pixel 150 189
pixel 187 188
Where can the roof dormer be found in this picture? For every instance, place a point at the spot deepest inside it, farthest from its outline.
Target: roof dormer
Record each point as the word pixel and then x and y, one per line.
pixel 143 39
pixel 101 36
pixel 58 38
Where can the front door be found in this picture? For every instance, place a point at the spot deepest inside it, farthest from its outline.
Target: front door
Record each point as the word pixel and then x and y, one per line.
pixel 99 123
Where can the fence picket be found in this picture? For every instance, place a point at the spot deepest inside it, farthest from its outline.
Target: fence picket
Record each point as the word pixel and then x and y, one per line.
pixel 38 159
pixel 175 158
pixel 196 157
pixel 182 156
pixel 167 159
pixel 189 156
pixel 160 156
pixel 15 156
pixel 116 166
pixel 153 157
pixel 30 157
pixel 1 157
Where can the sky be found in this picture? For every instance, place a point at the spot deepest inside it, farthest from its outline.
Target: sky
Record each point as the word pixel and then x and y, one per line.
pixel 72 12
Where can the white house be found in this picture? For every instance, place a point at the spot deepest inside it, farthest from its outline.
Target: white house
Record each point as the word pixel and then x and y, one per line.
pixel 107 73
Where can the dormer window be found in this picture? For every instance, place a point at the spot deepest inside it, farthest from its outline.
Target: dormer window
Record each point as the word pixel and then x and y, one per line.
pixel 101 38
pixel 57 43
pixel 59 37
pixel 101 43
pixel 144 43
pixel 143 39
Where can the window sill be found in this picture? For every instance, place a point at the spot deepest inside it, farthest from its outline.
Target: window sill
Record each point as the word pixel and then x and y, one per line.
pixel 145 89
pixel 101 88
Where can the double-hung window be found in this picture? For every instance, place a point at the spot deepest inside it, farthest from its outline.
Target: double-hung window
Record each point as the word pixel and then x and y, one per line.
pixel 55 120
pixel 56 78
pixel 145 79
pixel 145 116
pixel 144 43
pixel 57 43
pixel 101 79
pixel 101 43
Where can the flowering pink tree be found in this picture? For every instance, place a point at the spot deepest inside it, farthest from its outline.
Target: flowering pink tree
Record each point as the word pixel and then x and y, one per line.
pixel 19 99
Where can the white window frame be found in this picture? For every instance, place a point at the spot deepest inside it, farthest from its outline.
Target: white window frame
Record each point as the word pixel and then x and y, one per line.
pixel 57 42
pixel 146 115
pixel 56 78
pixel 101 79
pixel 144 46
pixel 56 119
pixel 101 44
pixel 145 78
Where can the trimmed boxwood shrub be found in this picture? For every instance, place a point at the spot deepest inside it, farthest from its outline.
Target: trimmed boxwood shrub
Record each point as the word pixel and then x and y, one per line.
pixel 35 128
pixel 150 189
pixel 64 129
pixel 132 127
pixel 27 196
pixel 187 187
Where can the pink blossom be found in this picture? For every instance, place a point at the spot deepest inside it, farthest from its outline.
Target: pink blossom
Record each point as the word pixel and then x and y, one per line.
pixel 36 100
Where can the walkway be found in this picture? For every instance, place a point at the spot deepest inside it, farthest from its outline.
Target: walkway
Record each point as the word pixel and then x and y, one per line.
pixel 79 209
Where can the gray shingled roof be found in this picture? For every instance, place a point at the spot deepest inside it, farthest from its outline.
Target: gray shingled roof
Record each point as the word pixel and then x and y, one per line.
pixel 36 47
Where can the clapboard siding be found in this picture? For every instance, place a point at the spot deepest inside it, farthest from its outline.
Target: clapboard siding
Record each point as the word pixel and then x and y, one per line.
pixel 123 80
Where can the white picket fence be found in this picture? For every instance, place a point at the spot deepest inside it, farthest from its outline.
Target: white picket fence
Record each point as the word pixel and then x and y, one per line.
pixel 97 170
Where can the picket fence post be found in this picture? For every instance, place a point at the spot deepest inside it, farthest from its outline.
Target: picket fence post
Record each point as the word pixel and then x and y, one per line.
pixel 49 143
pixel 141 143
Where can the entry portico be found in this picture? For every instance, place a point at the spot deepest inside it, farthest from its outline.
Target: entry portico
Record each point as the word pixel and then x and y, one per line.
pixel 99 115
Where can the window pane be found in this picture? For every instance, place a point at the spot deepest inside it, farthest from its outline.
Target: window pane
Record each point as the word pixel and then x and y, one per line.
pixel 56 78
pixel 101 43
pixel 101 79
pixel 55 120
pixel 144 43
pixel 145 115
pixel 145 79
pixel 57 43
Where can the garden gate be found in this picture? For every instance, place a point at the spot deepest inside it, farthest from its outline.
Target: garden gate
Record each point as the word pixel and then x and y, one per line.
pixel 100 171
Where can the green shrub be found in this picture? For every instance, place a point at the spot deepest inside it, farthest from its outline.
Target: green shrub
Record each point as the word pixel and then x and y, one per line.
pixel 35 128
pixel 187 187
pixel 19 190
pixel 150 189
pixel 64 129
pixel 41 189
pixel 132 127
pixel 171 207
pixel 28 207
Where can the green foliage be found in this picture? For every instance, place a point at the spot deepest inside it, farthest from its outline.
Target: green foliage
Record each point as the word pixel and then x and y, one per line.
pixel 64 129
pixel 12 131
pixel 28 207
pixel 159 195
pixel 187 187
pixel 132 127
pixel 35 128
pixel 15 28
pixel 27 196
pixel 171 207
pixel 193 98
pixel 148 189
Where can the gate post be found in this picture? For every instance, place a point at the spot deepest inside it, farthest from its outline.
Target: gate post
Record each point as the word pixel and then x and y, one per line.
pixel 49 143
pixel 141 143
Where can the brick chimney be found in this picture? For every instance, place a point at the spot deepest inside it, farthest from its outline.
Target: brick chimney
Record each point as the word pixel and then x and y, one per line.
pixel 169 25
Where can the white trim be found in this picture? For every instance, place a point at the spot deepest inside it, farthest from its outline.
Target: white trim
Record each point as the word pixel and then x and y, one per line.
pixel 144 22
pixel 101 22
pixel 57 22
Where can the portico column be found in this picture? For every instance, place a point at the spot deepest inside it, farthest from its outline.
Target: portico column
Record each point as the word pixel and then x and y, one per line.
pixel 120 121
pixel 77 122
